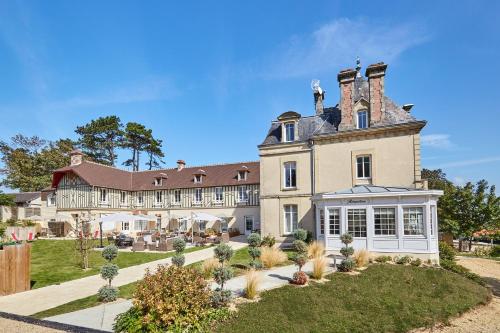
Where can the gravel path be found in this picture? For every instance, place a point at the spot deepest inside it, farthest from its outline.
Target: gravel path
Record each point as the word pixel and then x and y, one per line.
pixel 10 326
pixel 483 319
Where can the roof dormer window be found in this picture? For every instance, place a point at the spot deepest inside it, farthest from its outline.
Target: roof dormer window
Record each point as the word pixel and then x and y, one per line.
pixel 362 119
pixel 197 179
pixel 289 135
pixel 242 175
pixel 158 181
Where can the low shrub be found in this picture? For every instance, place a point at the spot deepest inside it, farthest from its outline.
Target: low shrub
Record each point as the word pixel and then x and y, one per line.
pixel 172 296
pixel 300 234
pixel 179 245
pixel 272 256
pixel 300 246
pixel 254 239
pixel 446 251
pixel 208 266
pixel 299 278
pixel 315 250
pixel 178 259
pixel 222 274
pixel 109 271
pixel 459 269
pixel 107 293
pixel 223 252
pixel 361 257
pixel 346 265
pixel 403 260
pixel 346 238
pixel 254 253
pixel 495 251
pixel 220 297
pixel 268 241
pixel 347 251
pixel 253 279
pixel 110 252
pixel 300 260
pixel 416 262
pixel 383 259
pixel 319 268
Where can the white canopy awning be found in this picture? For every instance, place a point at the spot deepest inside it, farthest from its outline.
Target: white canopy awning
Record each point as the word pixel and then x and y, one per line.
pixel 198 216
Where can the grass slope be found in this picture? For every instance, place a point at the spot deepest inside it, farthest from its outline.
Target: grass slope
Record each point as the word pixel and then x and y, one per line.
pixel 54 261
pixel 383 298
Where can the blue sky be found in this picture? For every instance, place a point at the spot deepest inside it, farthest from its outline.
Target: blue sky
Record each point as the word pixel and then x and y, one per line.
pixel 209 77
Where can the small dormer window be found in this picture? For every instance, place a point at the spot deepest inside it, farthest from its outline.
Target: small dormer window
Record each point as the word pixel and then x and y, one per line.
pixel 242 175
pixel 362 119
pixel 289 132
pixel 197 179
pixel 158 181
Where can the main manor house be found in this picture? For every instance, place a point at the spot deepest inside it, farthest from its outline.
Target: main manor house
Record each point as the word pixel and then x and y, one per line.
pixel 354 167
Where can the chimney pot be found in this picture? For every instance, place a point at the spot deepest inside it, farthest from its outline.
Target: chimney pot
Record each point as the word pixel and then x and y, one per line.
pixel 180 165
pixel 76 157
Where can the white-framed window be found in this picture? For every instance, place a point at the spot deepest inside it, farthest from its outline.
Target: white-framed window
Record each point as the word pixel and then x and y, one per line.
pixel 158 222
pixel 356 222
pixel 290 174
pixel 219 194
pixel 363 167
pixel 158 197
pixel 242 175
pixel 289 132
pixel 198 195
pixel 51 200
pixel 125 226
pixel 321 221
pixel 385 221
pixel 242 194
pixel 224 225
pixel 363 119
pixel 198 179
pixel 158 181
pixel 183 225
pixel 103 195
pixel 140 198
pixel 177 197
pixel 433 219
pixel 123 197
pixel 140 225
pixel 291 218
pixel 248 223
pixel 334 221
pixel 413 221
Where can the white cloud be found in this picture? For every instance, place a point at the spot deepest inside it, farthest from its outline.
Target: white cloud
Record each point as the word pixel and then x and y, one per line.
pixel 460 181
pixel 439 141
pixel 469 162
pixel 336 45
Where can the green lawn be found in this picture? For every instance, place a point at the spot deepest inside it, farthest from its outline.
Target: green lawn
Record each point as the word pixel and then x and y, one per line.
pixel 383 298
pixel 54 261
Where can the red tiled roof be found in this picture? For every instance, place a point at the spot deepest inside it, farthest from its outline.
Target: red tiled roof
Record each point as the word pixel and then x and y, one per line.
pixel 215 175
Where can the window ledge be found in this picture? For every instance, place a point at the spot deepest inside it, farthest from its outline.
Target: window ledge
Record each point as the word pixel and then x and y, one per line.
pixel 294 188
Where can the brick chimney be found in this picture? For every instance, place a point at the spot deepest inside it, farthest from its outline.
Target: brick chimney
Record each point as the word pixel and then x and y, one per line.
pixel 180 165
pixel 346 83
pixel 375 74
pixel 76 157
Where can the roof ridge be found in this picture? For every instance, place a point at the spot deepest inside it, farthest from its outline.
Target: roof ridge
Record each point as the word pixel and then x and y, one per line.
pixel 196 166
pixel 104 165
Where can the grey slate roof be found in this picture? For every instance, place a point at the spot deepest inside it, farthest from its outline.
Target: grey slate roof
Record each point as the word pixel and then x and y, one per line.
pixel 328 122
pixel 361 189
pixel 23 197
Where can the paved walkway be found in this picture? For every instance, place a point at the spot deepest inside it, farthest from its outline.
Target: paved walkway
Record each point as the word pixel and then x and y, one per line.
pixel 36 300
pixel 103 316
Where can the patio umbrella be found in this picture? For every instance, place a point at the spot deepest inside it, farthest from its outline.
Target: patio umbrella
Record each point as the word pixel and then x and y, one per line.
pixel 199 216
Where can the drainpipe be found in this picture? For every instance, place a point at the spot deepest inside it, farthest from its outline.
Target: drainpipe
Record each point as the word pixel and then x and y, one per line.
pixel 313 185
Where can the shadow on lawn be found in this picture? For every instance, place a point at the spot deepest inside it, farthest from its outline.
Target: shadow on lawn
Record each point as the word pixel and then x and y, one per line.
pixel 281 277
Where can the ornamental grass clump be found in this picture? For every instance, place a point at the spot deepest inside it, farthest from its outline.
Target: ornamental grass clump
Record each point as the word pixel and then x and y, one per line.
pixel 315 250
pixel 222 274
pixel 178 258
pixel 252 279
pixel 319 267
pixel 254 242
pixel 208 266
pixel 109 271
pixel 361 257
pixel 348 263
pixel 272 256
